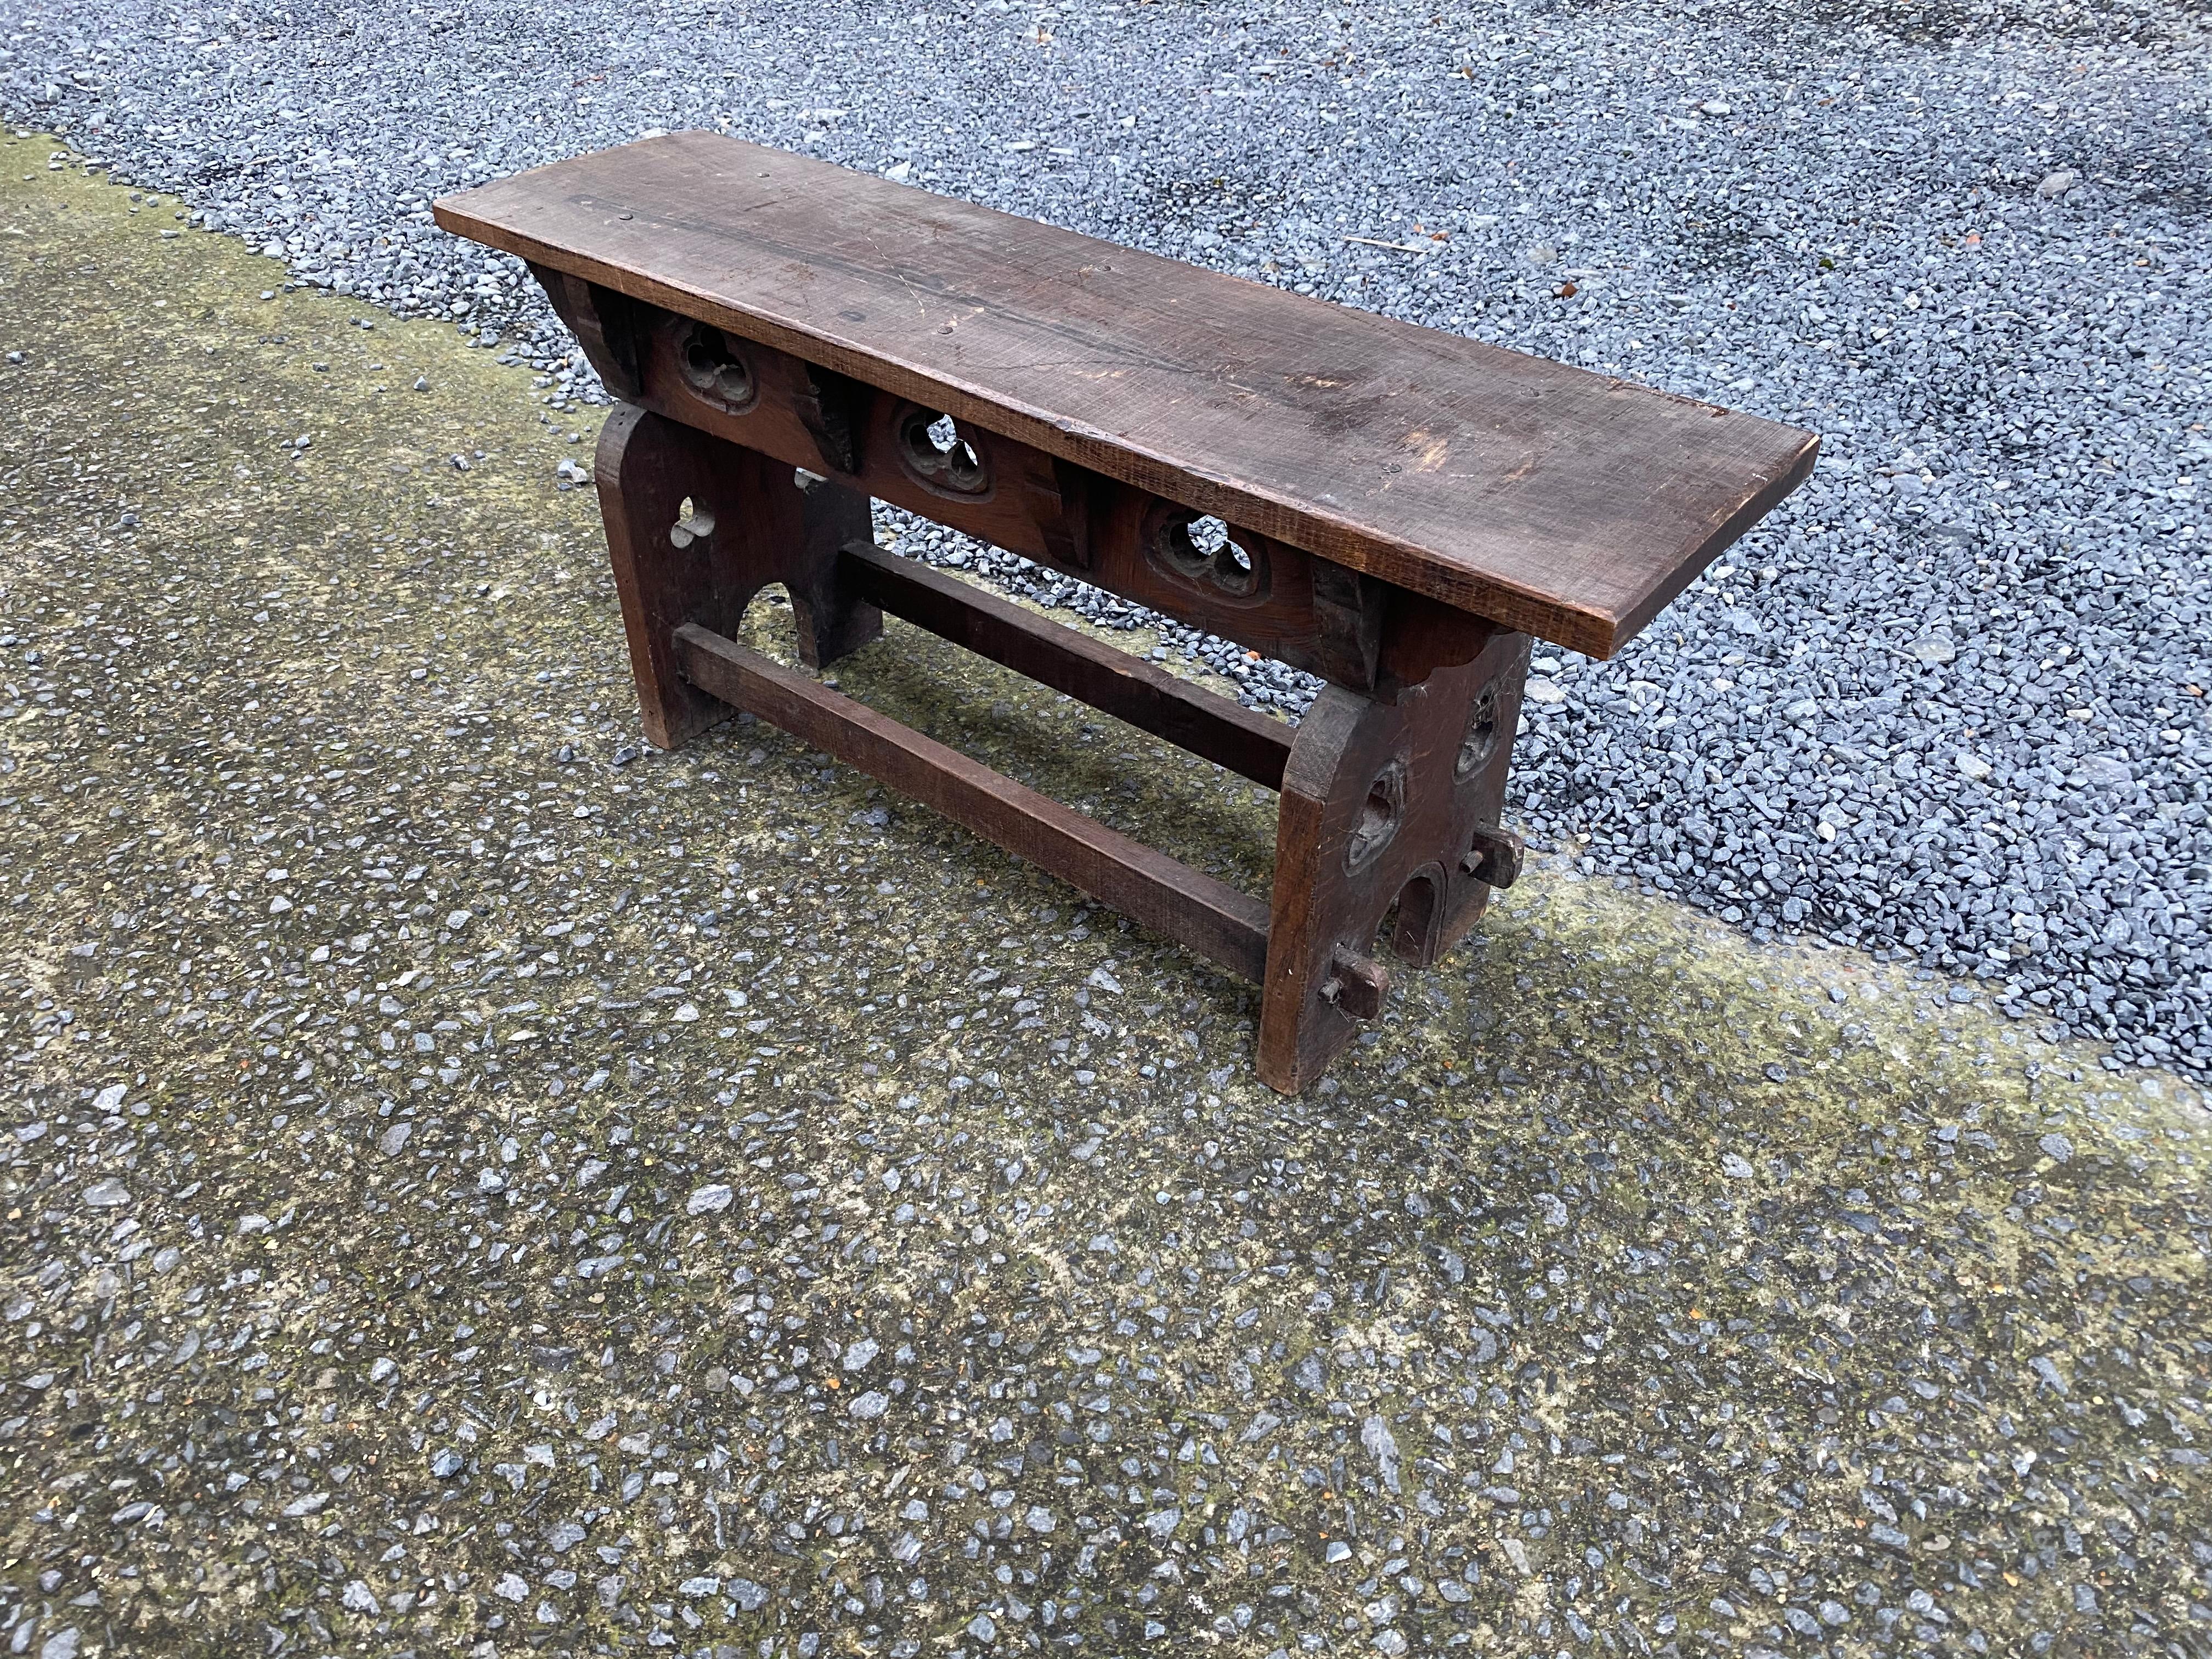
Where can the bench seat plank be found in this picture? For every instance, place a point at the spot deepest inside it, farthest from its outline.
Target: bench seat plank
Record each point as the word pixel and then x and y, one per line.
pixel 1549 498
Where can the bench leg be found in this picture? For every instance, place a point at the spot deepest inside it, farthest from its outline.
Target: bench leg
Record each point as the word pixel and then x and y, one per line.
pixel 1384 806
pixel 696 526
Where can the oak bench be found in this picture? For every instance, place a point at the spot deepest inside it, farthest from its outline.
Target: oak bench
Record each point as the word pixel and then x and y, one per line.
pixel 1394 509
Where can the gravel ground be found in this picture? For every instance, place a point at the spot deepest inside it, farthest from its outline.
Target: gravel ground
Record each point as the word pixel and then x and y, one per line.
pixel 463 1195
pixel 1949 704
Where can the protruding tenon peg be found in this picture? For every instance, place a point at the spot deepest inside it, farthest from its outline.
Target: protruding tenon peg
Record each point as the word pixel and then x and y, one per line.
pixel 1494 856
pixel 1356 984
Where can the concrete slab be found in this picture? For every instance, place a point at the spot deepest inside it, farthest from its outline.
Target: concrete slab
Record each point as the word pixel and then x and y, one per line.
pixel 473 1188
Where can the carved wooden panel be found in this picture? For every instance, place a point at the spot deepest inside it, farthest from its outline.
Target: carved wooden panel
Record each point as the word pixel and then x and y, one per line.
pixel 1262 593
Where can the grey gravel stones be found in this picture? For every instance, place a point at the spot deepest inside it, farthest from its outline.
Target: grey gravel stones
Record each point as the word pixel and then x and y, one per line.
pixel 709 1199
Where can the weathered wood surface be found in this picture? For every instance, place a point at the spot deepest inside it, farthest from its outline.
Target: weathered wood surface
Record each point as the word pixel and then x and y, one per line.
pixel 1551 500
pixel 1208 915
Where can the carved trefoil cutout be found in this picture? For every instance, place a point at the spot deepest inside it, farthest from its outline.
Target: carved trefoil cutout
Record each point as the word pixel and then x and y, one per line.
pixel 714 366
pixel 938 455
pixel 1380 815
pixel 1480 742
pixel 1201 552
pixel 693 523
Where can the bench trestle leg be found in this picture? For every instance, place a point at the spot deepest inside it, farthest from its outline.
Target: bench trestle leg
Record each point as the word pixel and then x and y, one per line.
pixel 696 527
pixel 1389 829
pixel 1389 815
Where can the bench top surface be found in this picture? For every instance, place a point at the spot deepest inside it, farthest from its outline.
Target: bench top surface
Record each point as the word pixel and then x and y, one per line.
pixel 1566 503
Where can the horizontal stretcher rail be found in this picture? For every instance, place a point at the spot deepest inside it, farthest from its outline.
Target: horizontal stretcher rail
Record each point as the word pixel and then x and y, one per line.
pixel 1195 910
pixel 1111 681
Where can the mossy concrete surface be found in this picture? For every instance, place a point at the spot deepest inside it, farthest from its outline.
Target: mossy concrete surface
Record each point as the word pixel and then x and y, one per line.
pixel 473 1188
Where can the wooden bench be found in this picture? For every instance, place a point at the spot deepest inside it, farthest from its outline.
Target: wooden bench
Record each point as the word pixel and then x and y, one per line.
pixel 1403 510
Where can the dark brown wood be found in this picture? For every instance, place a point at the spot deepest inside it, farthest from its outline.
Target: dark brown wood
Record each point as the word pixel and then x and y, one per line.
pixel 1394 509
pixel 608 325
pixel 1111 681
pixel 1357 985
pixel 1493 856
pixel 1551 500
pixel 1267 596
pixel 748 524
pixel 1207 915
pixel 1384 804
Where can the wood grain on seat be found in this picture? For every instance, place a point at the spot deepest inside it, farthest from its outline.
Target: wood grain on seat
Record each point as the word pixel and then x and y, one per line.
pixel 1549 498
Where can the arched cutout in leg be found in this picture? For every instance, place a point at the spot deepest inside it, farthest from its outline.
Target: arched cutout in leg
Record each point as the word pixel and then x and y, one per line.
pixel 1416 919
pixel 696 525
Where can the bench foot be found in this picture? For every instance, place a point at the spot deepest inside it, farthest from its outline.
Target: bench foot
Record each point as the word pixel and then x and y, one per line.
pixel 696 527
pixel 1389 815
